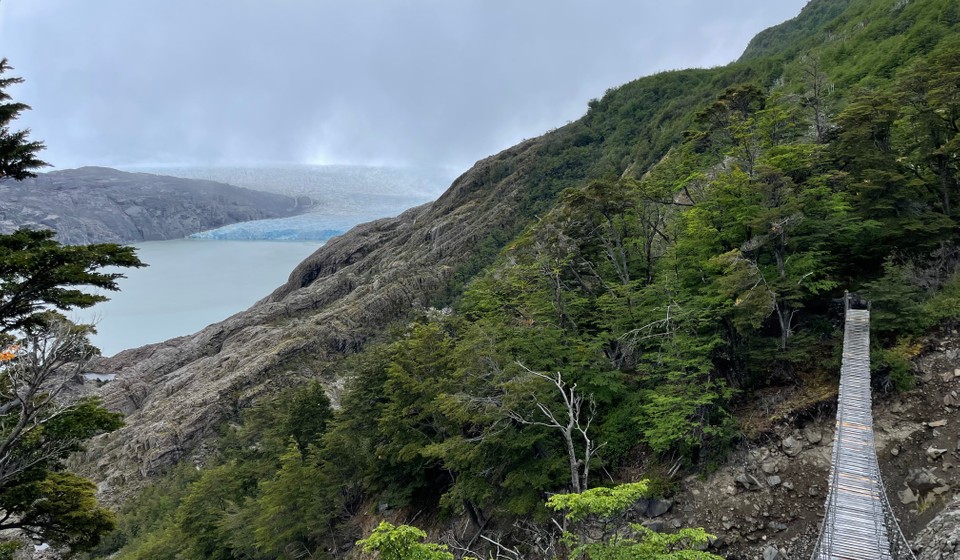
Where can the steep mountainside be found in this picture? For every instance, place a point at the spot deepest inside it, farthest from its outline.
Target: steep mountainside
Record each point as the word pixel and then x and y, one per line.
pixel 102 205
pixel 674 256
pixel 175 393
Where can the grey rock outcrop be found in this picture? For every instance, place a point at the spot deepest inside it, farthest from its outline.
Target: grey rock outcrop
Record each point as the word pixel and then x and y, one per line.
pixel 773 553
pixel 103 205
pixel 791 446
pixel 656 508
pixel 748 482
pixel 940 540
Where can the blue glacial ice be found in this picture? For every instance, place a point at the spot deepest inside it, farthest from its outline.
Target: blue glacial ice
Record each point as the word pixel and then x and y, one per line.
pixel 306 227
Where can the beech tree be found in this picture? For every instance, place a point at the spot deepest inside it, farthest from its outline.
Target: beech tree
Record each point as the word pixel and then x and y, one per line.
pixel 39 429
pixel 18 154
pixel 403 543
pixel 40 353
pixel 600 513
pixel 35 270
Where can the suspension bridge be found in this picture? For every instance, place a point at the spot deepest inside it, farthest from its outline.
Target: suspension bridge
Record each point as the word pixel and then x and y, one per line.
pixel 858 523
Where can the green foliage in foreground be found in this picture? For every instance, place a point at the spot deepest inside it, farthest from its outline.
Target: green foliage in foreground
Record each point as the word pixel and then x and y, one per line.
pixel 599 514
pixel 617 541
pixel 61 509
pixel 391 542
pixel 603 502
pixel 645 544
pixel 18 154
pixel 37 273
pixel 38 497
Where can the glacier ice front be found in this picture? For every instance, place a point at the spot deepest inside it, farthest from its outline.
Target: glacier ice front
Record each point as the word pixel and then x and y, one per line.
pixel 306 227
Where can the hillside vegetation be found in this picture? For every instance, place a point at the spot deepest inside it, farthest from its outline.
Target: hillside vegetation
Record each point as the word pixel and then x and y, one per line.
pixel 681 246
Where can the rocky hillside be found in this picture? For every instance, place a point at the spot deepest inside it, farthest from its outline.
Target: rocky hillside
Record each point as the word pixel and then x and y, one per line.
pixel 174 394
pixel 675 253
pixel 941 539
pixel 102 205
pixel 770 493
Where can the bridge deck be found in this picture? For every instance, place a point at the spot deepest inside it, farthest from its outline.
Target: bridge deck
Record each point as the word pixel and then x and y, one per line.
pixel 858 518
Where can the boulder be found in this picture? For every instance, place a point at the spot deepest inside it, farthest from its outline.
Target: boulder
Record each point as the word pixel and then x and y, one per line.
pixel 769 467
pixel 773 553
pixel 933 453
pixel 748 481
pixel 791 446
pixel 812 435
pixel 656 508
pixel 923 481
pixel 655 526
pixel 907 496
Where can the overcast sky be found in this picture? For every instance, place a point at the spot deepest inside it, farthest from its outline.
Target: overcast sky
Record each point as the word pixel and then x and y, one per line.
pixel 430 82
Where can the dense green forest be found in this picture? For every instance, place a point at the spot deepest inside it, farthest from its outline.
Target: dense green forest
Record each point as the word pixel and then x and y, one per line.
pixel 687 243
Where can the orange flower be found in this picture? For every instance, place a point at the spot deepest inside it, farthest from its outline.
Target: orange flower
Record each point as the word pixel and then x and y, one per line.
pixel 9 353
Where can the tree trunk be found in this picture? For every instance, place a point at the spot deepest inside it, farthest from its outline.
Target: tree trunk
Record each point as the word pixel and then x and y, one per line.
pixel 574 465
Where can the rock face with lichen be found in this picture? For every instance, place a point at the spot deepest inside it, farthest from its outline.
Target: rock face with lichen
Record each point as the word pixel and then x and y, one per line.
pixel 941 538
pixel 175 393
pixel 103 205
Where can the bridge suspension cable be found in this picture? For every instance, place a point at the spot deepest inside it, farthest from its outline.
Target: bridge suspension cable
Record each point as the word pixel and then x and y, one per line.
pixel 859 523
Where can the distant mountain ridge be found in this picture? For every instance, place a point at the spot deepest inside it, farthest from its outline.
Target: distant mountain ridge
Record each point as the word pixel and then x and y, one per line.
pixel 104 205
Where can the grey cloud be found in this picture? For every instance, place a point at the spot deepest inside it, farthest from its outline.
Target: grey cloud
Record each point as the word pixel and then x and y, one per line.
pixel 361 81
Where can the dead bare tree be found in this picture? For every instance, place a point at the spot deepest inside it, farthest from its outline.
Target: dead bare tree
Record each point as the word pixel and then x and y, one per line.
pixel 815 98
pixel 573 423
pixel 31 386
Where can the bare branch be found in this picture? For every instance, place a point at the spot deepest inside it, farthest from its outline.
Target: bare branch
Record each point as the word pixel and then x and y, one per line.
pixel 31 385
pixel 575 427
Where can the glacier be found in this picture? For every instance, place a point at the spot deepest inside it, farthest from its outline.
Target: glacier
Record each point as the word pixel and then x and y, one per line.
pixel 306 227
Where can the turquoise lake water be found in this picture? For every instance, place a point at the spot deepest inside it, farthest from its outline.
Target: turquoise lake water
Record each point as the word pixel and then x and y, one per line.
pixel 190 284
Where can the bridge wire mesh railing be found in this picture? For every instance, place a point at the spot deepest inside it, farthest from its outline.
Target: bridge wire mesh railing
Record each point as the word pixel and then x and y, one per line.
pixel 824 540
pixel 899 547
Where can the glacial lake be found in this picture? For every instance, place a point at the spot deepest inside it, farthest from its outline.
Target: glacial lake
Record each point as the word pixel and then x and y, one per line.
pixel 190 284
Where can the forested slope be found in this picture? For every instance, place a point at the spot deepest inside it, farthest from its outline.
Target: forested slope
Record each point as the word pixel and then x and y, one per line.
pixel 665 257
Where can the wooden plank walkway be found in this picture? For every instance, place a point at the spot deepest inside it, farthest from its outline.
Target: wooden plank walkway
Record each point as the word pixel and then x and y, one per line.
pixel 858 522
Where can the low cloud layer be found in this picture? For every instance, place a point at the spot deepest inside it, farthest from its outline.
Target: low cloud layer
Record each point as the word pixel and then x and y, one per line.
pixel 428 82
